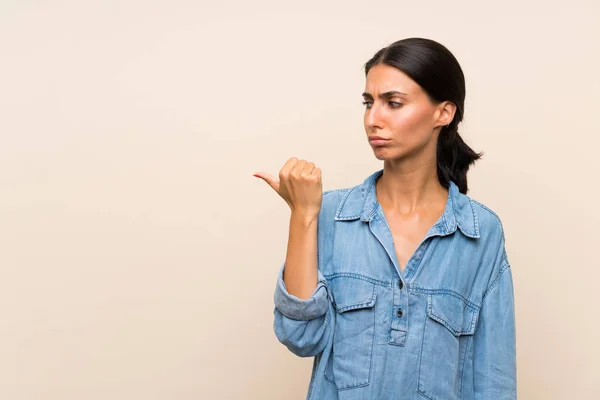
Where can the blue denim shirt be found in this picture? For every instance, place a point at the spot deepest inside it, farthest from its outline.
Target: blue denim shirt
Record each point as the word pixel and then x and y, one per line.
pixel 443 328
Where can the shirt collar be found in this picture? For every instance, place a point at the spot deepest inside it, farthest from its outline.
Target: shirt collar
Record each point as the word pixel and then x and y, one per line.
pixel 361 202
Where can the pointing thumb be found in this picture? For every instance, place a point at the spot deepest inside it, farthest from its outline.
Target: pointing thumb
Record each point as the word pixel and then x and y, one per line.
pixel 273 182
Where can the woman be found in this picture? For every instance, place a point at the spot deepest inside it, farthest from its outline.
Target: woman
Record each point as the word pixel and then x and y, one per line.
pixel 400 287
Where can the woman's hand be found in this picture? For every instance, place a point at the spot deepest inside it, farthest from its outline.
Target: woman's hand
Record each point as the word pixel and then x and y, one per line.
pixel 300 185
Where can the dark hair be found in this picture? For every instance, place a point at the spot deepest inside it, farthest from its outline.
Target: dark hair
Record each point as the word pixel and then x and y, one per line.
pixel 436 70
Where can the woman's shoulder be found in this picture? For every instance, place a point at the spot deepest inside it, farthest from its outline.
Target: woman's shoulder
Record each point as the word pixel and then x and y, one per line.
pixel 335 199
pixel 488 220
pixel 336 191
pixel 332 198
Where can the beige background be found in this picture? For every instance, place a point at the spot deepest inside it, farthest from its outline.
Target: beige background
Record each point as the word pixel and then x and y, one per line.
pixel 138 255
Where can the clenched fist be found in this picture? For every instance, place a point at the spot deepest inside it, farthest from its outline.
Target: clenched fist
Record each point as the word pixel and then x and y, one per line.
pixel 299 184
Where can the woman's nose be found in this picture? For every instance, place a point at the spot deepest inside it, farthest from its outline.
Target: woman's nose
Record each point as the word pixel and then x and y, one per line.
pixel 373 117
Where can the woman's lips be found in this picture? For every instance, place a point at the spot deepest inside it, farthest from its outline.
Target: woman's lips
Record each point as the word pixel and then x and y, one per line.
pixel 376 141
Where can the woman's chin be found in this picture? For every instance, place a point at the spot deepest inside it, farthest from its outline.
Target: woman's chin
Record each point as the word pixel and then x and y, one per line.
pixel 383 154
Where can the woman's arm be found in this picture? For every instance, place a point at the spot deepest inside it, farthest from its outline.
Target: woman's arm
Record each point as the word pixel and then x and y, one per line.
pixel 300 273
pixel 301 295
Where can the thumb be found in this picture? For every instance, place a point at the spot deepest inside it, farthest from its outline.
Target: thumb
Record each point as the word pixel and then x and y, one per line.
pixel 273 182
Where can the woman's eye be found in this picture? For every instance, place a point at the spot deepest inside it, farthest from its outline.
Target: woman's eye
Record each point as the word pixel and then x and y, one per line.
pixel 392 104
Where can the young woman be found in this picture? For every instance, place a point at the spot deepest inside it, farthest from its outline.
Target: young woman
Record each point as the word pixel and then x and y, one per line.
pixel 400 287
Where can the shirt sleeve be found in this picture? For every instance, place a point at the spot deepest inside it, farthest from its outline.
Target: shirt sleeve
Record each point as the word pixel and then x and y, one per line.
pixel 303 326
pixel 494 354
pixel 296 308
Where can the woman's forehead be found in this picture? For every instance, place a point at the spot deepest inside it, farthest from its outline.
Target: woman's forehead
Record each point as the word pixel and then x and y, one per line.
pixel 384 78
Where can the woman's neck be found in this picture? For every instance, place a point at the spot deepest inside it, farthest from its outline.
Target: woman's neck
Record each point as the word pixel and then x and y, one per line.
pixel 408 190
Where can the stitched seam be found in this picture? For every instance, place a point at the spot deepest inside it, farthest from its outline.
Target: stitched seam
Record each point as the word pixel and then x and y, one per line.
pixel 425 245
pixel 334 191
pixel 462 372
pixel 342 204
pixel 445 222
pixel 484 207
pixel 419 385
pixel 368 380
pixel 423 394
pixel 475 218
pixel 443 321
pixel 368 304
pixel 504 267
pixel 358 276
pixel 417 289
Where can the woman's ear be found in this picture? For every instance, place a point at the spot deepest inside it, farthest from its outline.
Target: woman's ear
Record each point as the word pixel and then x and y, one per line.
pixel 447 109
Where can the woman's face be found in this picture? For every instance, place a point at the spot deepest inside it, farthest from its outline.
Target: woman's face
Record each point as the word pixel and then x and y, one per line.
pixel 398 110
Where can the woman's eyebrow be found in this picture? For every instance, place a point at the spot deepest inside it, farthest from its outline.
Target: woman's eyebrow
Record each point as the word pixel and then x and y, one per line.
pixel 389 94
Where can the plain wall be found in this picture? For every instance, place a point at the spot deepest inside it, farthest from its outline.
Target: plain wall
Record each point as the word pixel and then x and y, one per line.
pixel 138 254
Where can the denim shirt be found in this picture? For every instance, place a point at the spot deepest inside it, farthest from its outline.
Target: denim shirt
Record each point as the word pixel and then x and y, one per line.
pixel 442 328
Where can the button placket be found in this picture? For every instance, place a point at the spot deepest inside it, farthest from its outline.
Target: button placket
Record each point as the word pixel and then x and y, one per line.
pixel 399 311
pixel 399 325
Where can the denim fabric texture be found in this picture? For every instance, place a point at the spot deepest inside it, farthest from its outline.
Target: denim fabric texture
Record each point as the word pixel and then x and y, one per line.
pixel 442 328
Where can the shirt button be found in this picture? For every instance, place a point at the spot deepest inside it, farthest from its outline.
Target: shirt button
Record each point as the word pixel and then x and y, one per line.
pixel 399 313
pixel 400 285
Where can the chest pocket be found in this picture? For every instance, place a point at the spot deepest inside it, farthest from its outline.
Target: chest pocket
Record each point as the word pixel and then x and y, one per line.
pixel 447 336
pixel 349 365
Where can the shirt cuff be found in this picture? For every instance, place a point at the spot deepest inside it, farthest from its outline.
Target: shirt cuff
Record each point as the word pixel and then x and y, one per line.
pixel 298 309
